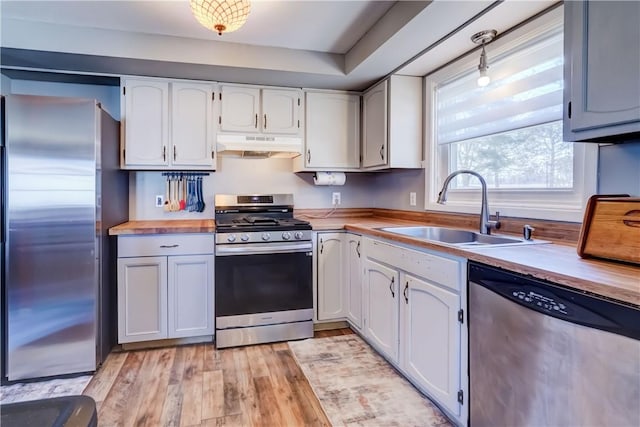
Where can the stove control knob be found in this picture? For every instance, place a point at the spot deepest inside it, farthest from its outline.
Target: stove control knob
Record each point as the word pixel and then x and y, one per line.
pixel 286 235
pixel 299 235
pixel 266 236
pixel 231 238
pixel 244 237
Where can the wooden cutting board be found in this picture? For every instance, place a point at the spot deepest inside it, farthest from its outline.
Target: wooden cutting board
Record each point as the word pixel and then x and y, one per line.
pixel 611 229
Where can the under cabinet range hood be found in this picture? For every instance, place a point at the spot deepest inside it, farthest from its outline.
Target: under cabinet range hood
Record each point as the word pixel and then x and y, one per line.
pixel 258 146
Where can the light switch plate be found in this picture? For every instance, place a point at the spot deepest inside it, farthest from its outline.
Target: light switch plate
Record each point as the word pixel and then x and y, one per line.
pixel 159 201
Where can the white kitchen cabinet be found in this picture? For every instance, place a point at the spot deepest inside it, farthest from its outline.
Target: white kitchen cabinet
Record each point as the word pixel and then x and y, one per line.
pixel 601 70
pixel 192 126
pixel 331 289
pixel 381 325
pixel 167 125
pixel 142 299
pixel 165 286
pixel 145 123
pixel 190 296
pixel 332 131
pixel 431 339
pixel 392 124
pixel 353 278
pixel 255 110
pixel 419 326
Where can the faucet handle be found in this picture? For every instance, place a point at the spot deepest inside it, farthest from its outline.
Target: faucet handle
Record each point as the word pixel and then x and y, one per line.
pixel 497 221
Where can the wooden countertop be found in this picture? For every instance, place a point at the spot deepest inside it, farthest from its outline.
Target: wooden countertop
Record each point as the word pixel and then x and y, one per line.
pixel 167 226
pixel 557 262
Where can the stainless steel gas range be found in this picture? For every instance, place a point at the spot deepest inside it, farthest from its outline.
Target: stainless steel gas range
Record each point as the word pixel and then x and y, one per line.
pixel 264 290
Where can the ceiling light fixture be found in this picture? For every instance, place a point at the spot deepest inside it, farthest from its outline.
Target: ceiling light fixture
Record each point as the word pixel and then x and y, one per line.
pixel 221 15
pixel 482 38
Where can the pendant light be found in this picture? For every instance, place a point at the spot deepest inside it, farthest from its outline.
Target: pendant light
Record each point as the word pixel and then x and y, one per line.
pixel 221 15
pixel 482 38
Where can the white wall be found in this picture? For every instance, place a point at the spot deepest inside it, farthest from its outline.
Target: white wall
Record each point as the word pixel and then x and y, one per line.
pixel 250 176
pixel 108 96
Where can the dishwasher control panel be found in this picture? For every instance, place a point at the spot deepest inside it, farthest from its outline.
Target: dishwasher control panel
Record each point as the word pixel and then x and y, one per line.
pixel 542 302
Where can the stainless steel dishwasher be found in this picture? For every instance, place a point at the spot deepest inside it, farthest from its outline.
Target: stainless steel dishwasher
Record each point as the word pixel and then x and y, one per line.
pixel 544 355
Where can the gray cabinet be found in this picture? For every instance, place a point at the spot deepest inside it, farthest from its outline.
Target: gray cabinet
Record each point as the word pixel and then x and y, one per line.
pixel 602 70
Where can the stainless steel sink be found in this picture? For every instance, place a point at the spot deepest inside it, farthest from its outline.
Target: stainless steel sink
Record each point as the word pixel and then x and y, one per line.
pixel 456 237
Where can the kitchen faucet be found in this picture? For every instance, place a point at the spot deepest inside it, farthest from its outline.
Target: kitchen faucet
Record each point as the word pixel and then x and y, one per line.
pixel 485 224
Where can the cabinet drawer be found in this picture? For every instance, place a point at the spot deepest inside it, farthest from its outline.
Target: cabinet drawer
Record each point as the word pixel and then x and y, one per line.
pixel 438 269
pixel 165 244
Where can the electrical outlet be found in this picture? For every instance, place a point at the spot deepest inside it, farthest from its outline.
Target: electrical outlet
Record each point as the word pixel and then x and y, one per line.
pixel 412 198
pixel 335 199
pixel 159 201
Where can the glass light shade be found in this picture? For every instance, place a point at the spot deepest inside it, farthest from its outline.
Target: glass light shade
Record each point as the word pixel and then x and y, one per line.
pixel 221 15
pixel 484 78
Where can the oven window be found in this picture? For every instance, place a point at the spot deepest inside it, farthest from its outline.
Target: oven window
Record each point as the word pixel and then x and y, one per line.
pixel 249 284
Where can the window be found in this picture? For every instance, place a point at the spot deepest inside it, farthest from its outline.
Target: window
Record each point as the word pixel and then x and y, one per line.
pixel 510 131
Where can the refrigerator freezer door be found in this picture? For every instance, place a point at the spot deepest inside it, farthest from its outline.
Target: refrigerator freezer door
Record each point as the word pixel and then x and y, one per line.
pixel 50 279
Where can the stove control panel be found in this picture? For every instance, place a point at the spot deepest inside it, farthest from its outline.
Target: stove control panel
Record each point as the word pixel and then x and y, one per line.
pixel 262 237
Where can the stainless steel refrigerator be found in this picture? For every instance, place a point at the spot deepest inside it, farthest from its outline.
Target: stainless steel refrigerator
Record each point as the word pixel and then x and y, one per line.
pixel 61 190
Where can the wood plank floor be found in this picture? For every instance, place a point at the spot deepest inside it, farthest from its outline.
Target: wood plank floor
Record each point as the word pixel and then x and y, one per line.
pixel 193 385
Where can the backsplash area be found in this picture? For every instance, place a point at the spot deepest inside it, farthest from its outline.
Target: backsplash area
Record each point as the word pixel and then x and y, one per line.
pixel 249 176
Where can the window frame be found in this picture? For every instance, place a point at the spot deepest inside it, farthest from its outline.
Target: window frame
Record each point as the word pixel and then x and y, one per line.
pixel 554 204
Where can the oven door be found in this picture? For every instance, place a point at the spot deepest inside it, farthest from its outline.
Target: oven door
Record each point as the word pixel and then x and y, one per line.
pixel 254 279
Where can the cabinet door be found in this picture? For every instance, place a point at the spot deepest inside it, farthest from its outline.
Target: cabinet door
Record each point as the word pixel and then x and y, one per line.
pixel 353 279
pixel 281 111
pixel 192 128
pixel 190 300
pixel 142 299
pixel 381 325
pixel 331 294
pixel 332 127
pixel 431 339
pixel 602 73
pixel 239 109
pixel 146 123
pixel 374 126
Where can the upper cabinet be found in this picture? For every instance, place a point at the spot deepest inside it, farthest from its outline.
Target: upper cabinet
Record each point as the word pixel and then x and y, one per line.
pixel 601 70
pixel 167 125
pixel 332 131
pixel 392 124
pixel 251 109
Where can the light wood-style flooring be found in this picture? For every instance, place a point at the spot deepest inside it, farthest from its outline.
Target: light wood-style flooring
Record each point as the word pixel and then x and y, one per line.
pixel 193 385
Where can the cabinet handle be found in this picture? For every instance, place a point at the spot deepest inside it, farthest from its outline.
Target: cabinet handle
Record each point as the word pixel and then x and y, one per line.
pixel 321 246
pixel 393 281
pixel 164 153
pixel 213 154
pixel 169 246
pixel 256 124
pixel 382 152
pixel 358 249
pixel 406 288
pixel 308 155
pixel 569 109
pixel 174 152
pixel 265 121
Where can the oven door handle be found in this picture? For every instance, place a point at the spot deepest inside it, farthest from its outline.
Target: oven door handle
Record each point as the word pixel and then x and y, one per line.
pixel 259 248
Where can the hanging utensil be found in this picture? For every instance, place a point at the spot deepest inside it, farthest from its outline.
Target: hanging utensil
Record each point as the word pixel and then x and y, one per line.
pixel 167 195
pixel 200 198
pixel 175 204
pixel 183 191
pixel 190 195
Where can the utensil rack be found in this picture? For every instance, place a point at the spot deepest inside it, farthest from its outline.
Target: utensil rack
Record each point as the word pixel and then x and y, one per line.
pixel 184 191
pixel 180 175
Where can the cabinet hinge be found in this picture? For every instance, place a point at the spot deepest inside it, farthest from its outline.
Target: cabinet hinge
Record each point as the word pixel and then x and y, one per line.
pixel 124 90
pixel 124 154
pixel 360 158
pixel 460 397
pixel 213 96
pixel 569 110
pixel 213 155
pixel 298 124
pixel 461 316
pixel 298 102
pixel 220 96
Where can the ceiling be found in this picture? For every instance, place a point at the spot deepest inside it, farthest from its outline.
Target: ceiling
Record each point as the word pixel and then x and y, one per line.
pixel 322 44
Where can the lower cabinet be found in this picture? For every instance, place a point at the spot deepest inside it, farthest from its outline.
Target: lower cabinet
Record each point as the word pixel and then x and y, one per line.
pixel 165 286
pixel 414 318
pixel 339 277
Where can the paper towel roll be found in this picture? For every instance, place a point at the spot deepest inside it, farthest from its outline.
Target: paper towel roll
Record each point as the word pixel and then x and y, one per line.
pixel 329 178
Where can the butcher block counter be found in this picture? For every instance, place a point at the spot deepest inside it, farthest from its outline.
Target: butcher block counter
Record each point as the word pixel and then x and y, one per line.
pixel 556 262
